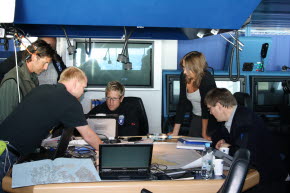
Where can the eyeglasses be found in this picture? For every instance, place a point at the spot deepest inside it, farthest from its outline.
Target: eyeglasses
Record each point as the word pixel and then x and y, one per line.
pixel 113 99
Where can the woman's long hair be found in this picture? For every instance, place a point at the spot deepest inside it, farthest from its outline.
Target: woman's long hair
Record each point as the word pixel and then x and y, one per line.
pixel 195 62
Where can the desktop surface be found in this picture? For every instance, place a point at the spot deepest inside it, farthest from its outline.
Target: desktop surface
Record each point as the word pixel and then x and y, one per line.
pixel 161 155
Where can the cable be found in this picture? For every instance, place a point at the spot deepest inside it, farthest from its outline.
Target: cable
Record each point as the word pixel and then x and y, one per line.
pixel 17 74
pixel 234 79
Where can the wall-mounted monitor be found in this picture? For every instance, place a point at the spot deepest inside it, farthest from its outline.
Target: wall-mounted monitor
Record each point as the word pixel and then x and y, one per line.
pixel 232 86
pixel 267 94
pixel 101 65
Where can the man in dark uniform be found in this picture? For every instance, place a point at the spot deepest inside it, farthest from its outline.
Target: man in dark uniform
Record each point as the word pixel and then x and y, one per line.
pixel 244 129
pixel 128 123
pixel 42 109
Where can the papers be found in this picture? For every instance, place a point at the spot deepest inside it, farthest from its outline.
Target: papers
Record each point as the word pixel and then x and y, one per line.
pixel 50 142
pixel 60 170
pixel 195 164
pixel 166 154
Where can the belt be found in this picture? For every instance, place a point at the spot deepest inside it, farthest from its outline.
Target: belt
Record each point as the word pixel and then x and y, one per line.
pixel 13 150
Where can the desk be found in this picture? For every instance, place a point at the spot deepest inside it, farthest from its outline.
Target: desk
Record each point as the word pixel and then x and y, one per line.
pixel 155 186
pixel 168 186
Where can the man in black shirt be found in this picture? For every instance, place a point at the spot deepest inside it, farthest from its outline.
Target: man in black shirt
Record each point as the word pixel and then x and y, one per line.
pixel 128 123
pixel 42 109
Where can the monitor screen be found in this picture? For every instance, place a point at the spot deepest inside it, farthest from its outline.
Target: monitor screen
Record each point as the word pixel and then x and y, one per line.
pixel 126 156
pixel 102 64
pixel 268 94
pixel 232 86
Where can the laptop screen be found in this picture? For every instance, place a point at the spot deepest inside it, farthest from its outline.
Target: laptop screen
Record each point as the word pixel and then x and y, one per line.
pixel 125 156
pixel 105 126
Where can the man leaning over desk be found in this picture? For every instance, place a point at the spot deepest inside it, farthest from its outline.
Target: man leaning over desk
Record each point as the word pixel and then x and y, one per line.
pixel 243 128
pixel 43 108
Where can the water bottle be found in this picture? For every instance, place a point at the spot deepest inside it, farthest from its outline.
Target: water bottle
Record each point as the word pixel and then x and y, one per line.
pixel 207 166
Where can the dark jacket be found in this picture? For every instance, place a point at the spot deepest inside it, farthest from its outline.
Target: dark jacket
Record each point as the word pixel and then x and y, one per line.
pixel 207 83
pixel 249 131
pixel 130 127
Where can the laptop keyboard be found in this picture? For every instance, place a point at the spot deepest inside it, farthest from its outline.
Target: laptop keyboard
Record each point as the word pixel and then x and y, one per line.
pixel 119 174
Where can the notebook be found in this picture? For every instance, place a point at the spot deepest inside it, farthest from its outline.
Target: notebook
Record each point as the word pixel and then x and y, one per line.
pixel 106 126
pixel 125 161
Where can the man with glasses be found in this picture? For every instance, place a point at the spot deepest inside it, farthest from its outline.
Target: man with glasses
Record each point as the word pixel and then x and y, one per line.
pixel 242 128
pixel 128 123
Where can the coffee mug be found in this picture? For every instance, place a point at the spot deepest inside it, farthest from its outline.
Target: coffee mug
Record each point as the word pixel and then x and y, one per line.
pixel 225 150
pixel 218 167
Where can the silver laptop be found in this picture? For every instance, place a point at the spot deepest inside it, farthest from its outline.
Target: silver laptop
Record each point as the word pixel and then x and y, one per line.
pixel 106 126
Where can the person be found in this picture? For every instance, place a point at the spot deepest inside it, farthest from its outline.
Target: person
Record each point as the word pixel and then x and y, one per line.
pixel 195 82
pixel 128 124
pixel 52 74
pixel 35 60
pixel 244 129
pixel 42 109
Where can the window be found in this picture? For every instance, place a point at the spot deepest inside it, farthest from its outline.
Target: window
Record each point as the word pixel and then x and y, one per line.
pixel 102 66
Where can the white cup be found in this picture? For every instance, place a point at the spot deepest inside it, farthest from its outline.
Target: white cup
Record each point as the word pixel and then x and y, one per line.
pixel 225 150
pixel 218 167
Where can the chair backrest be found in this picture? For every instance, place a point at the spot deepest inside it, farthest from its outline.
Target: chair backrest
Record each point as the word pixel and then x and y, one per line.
pixel 143 121
pixel 235 179
pixel 244 99
pixel 63 142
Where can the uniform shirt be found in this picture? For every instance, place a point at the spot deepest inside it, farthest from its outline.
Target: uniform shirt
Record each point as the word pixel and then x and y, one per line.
pixel 42 109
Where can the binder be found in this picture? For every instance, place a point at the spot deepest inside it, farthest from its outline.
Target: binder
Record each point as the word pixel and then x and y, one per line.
pixel 193 140
pixel 180 145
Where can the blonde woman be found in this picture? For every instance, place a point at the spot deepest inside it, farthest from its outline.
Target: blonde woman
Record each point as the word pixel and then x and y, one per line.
pixel 195 82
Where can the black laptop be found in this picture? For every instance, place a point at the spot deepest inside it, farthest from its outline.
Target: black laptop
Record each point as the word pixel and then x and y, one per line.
pixel 125 161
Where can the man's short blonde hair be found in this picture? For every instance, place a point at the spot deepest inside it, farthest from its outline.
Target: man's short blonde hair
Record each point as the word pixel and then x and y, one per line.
pixel 72 73
pixel 115 86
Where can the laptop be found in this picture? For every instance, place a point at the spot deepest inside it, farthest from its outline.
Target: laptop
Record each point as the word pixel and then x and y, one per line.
pixel 125 161
pixel 106 126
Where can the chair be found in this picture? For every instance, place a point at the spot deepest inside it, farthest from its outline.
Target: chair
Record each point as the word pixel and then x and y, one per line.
pixel 244 99
pixel 142 116
pixel 63 143
pixel 237 174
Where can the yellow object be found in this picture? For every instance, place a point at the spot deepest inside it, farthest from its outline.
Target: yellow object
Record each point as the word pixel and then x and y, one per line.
pixel 2 147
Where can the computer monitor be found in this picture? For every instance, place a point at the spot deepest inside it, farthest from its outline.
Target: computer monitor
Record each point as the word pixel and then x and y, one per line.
pixel 232 86
pixel 267 94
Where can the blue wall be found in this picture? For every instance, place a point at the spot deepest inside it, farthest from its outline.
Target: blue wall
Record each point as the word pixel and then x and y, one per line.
pixel 215 49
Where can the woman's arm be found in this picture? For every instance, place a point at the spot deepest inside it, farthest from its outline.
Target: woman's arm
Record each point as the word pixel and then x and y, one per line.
pixel 204 124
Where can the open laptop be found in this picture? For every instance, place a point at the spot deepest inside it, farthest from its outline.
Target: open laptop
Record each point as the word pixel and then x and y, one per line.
pixel 125 161
pixel 106 126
